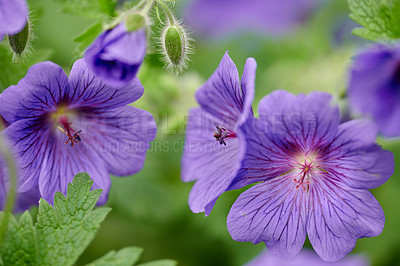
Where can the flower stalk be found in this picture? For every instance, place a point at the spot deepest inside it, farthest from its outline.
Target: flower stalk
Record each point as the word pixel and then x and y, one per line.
pixel 146 9
pixel 167 11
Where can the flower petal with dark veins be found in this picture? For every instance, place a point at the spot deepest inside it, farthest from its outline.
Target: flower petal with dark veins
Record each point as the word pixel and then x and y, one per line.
pixel 87 90
pixel 306 120
pixel 38 93
pixel 213 164
pixel 222 96
pixel 273 212
pixel 355 160
pixel 120 137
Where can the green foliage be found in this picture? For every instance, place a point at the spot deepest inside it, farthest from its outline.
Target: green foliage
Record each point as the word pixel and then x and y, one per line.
pixel 125 257
pixel 62 233
pixel 96 9
pixel 19 247
pixel 11 72
pixel 160 263
pixel 87 37
pixel 380 18
pixel 101 10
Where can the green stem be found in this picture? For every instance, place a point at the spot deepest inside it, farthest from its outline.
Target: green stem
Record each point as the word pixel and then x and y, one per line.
pixel 167 11
pixel 141 3
pixel 147 7
pixel 12 171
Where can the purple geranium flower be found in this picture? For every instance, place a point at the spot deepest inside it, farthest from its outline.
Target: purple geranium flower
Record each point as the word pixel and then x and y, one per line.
pixel 214 143
pixel 374 88
pixel 60 127
pixel 305 257
pixel 213 18
pixel 117 54
pixel 314 176
pixel 13 16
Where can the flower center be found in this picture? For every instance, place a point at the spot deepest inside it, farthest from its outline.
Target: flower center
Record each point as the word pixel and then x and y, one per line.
pixel 305 165
pixel 222 133
pixel 61 117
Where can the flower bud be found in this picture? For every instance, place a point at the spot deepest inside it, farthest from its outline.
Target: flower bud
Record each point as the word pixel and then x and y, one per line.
pixel 20 41
pixel 175 45
pixel 117 54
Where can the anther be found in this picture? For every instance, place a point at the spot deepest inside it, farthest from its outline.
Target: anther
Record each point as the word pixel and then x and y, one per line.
pixel 222 133
pixel 75 138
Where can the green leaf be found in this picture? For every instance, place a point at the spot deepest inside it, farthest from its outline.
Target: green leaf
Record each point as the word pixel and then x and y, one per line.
pixel 19 247
pixel 87 37
pixel 160 263
pixel 125 257
pixel 63 232
pixel 381 19
pixel 97 9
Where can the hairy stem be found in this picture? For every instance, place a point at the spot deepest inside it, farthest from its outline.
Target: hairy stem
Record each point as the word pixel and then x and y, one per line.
pixel 148 6
pixel 167 11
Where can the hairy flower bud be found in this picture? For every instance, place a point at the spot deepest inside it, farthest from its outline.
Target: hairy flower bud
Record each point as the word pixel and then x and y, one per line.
pixel 19 41
pixel 175 47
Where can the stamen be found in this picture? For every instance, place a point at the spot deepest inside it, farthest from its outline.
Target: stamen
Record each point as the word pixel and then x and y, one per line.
pixel 222 133
pixel 72 137
pixel 306 165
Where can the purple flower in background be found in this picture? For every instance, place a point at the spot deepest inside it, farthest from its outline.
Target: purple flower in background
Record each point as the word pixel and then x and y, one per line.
pixel 214 144
pixel 23 200
pixel 13 16
pixel 312 175
pixel 305 257
pixel 374 88
pixel 60 127
pixel 213 18
pixel 117 54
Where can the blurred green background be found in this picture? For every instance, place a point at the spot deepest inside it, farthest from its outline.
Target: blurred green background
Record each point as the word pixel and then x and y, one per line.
pixel 150 208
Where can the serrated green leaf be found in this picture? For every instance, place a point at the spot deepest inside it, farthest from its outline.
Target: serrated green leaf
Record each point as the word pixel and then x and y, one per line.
pixel 63 232
pixel 160 263
pixel 124 257
pixel 97 9
pixel 381 19
pixel 19 247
